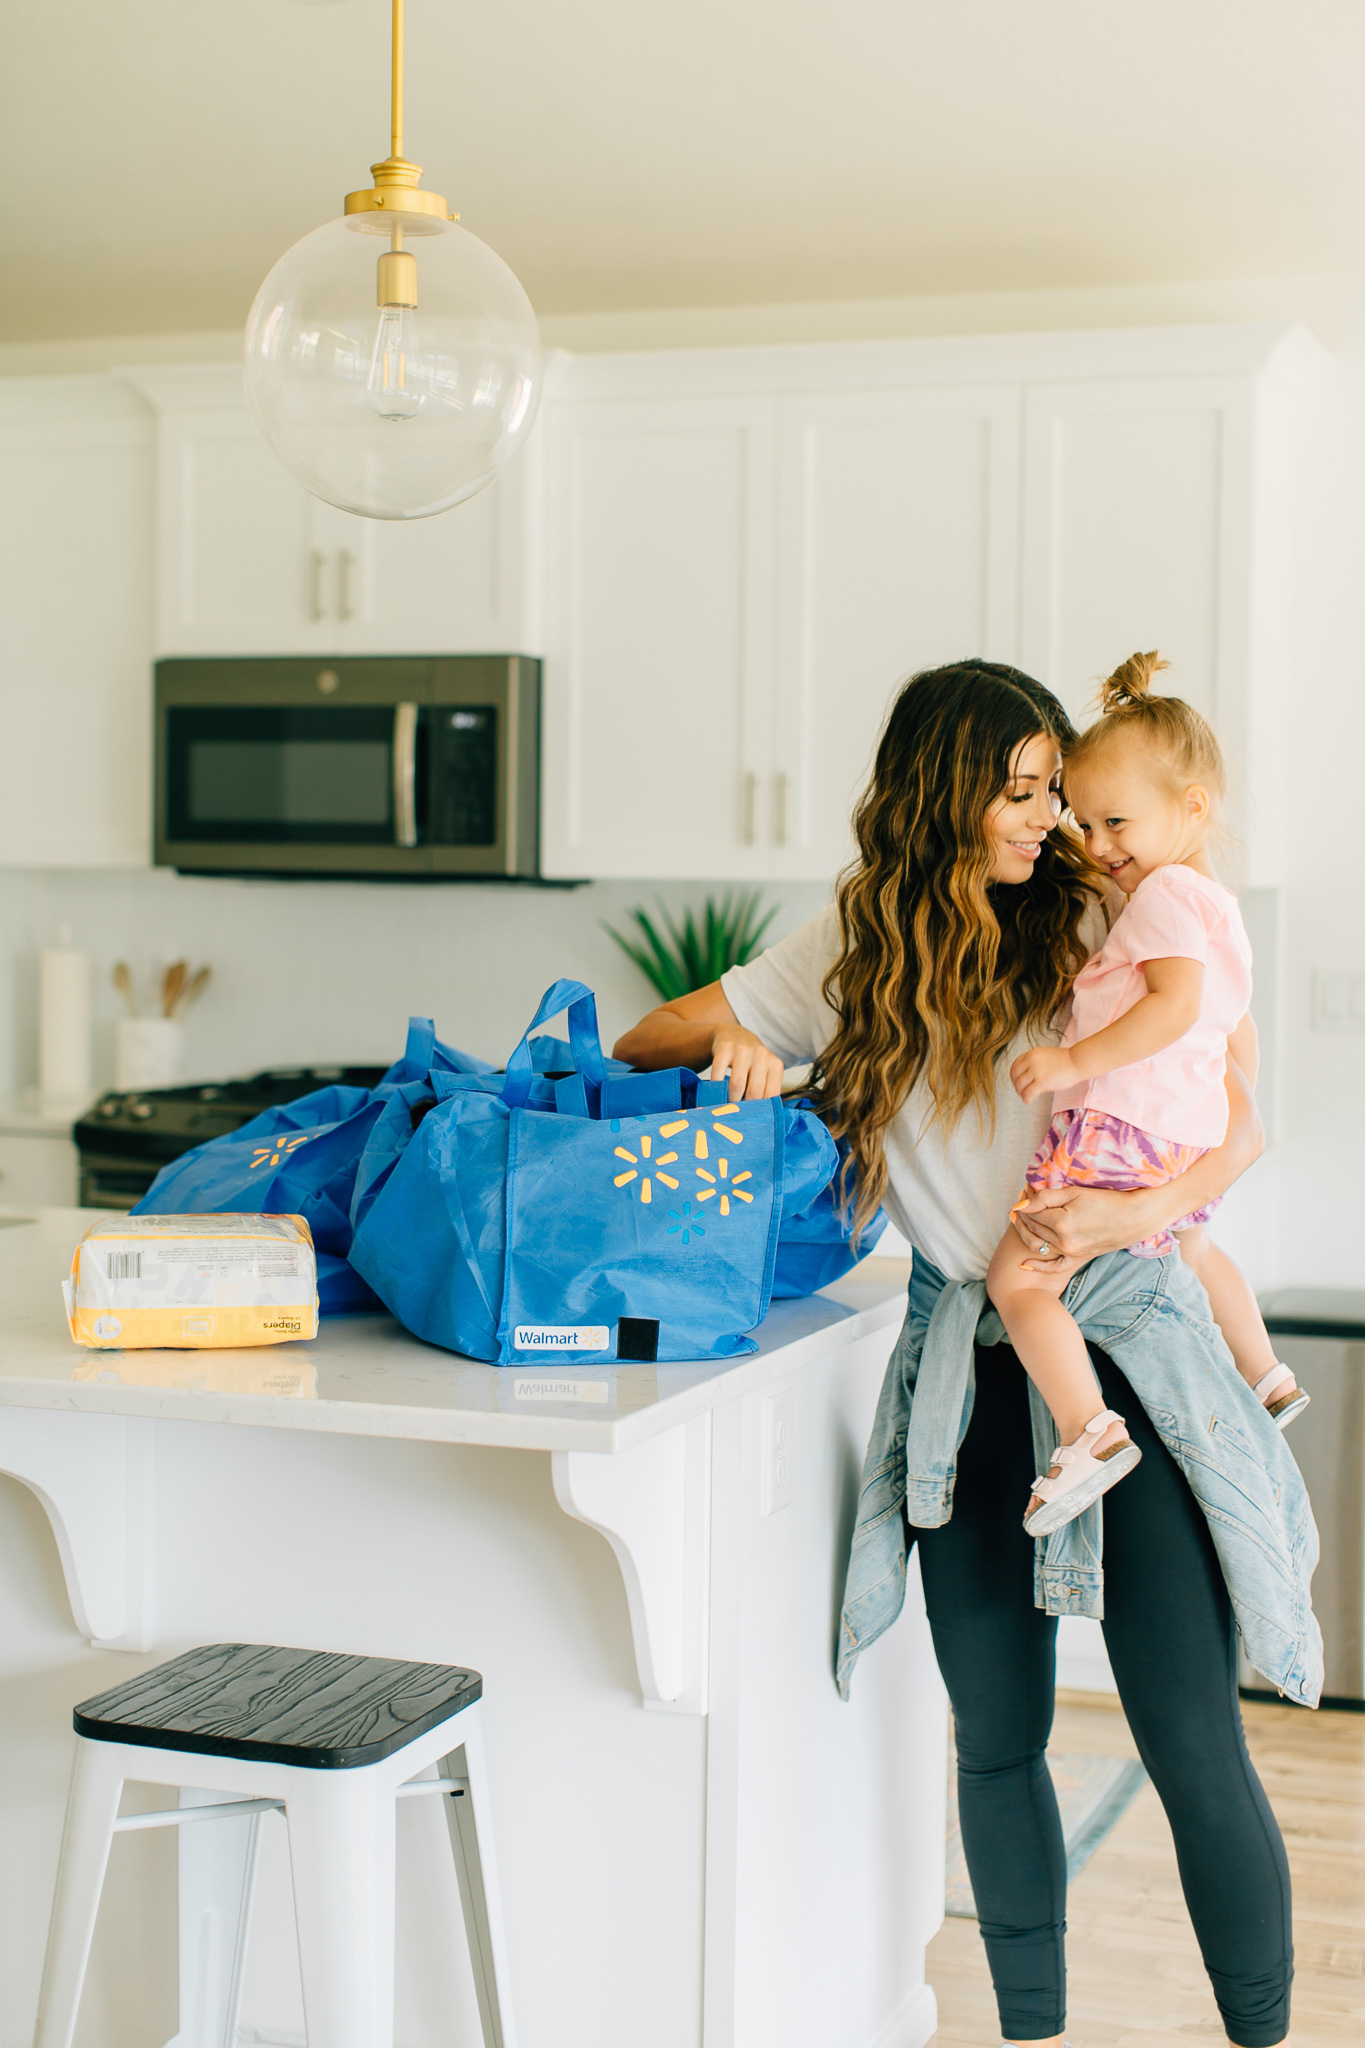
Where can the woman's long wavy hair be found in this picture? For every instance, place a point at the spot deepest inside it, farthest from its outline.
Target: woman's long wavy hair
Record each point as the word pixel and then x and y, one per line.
pixel 939 969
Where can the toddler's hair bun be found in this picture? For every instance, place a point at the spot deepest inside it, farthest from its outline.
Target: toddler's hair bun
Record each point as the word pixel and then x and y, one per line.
pixel 1131 681
pixel 1173 736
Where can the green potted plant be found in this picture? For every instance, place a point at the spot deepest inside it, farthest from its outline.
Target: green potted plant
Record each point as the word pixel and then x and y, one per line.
pixel 678 958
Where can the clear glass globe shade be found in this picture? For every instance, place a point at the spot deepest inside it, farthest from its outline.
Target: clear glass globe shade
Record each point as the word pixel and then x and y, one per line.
pixel 394 411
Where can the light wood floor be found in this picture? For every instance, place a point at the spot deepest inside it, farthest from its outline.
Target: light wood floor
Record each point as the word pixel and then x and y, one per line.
pixel 1135 1979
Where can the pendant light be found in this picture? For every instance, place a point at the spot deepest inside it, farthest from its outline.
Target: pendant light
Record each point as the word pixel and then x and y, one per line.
pixel 392 359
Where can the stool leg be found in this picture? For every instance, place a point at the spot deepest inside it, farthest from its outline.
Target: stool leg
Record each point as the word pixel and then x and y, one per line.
pixel 96 1787
pixel 341 1849
pixel 217 1880
pixel 471 1838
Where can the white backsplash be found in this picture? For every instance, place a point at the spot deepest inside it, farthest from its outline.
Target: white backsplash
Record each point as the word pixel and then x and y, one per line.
pixel 321 972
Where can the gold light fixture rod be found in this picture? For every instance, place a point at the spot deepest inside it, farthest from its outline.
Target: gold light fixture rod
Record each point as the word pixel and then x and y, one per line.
pixel 396 186
pixel 396 102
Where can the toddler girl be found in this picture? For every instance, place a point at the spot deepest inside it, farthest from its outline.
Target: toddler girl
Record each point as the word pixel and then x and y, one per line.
pixel 1138 1079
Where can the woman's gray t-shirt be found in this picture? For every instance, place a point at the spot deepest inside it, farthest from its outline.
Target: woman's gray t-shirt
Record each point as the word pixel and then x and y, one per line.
pixel 951 1197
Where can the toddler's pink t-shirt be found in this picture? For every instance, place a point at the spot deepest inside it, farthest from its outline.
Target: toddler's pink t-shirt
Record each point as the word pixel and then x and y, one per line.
pixel 1178 1094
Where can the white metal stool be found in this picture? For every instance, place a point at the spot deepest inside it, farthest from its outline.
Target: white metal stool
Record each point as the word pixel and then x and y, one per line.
pixel 333 1742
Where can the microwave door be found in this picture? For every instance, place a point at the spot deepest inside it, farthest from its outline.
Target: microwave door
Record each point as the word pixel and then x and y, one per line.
pixel 295 779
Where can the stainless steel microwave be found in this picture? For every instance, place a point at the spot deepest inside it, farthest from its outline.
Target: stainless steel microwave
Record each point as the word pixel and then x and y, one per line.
pixel 419 766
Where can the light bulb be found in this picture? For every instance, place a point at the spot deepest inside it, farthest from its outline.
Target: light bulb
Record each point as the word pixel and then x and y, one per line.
pixel 463 364
pixel 395 386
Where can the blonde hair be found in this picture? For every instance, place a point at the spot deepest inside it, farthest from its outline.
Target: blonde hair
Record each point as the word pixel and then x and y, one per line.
pixel 1171 732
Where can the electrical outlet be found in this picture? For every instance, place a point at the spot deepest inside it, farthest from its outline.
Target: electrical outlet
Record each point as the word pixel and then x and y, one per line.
pixel 779 1451
pixel 1338 1000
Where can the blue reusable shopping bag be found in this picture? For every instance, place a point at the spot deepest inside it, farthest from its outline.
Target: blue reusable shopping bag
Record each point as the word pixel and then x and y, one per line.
pixel 301 1159
pixel 411 1096
pixel 425 1054
pixel 297 1159
pixel 815 1243
pixel 608 1215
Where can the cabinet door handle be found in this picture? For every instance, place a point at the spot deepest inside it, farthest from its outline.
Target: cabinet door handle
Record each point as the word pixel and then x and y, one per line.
pixel 748 806
pixel 346 583
pixel 317 569
pixel 405 775
pixel 780 809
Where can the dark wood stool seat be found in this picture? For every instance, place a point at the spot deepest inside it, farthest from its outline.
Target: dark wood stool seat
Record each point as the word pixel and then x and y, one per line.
pixel 311 1708
pixel 330 1744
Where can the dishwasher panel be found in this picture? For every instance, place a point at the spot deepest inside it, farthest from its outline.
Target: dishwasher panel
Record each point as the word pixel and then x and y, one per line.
pixel 1320 1333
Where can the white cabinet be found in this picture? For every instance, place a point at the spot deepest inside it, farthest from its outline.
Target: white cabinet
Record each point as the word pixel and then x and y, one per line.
pixel 897 550
pixel 236 539
pixel 1133 537
pixel 76 600
pixel 1156 511
pixel 655 734
pixel 737 583
pixel 750 549
pixel 249 562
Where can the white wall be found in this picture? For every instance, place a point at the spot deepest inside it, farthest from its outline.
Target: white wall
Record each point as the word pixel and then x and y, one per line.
pixel 1312 1204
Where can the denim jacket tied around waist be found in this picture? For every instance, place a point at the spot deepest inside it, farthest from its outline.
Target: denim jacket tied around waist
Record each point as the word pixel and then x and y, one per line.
pixel 1152 1317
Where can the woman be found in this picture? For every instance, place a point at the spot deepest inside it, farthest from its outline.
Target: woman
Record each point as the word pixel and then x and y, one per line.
pixel 948 952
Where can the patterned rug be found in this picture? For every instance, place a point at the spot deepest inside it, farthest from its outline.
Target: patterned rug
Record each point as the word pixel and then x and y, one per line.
pixel 1093 1793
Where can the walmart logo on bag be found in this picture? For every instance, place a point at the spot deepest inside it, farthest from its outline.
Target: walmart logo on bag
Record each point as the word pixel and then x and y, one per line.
pixel 271 1155
pixel 704 1174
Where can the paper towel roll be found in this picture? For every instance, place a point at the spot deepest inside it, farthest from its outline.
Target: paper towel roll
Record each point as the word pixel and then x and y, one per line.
pixel 64 1024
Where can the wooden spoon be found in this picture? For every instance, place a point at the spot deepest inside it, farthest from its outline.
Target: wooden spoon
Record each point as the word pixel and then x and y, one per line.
pixel 194 990
pixel 123 982
pixel 172 982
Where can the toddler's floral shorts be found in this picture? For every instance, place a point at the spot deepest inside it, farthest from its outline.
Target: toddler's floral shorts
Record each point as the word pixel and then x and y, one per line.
pixel 1085 1148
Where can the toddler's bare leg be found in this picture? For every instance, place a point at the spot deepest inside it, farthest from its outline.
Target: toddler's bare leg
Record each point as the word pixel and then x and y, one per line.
pixel 1050 1346
pixel 1052 1352
pixel 1233 1304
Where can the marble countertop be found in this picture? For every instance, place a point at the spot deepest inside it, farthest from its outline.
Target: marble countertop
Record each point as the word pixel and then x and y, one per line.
pixel 365 1376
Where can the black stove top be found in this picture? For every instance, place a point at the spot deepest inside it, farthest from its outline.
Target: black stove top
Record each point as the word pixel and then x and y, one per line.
pixel 128 1136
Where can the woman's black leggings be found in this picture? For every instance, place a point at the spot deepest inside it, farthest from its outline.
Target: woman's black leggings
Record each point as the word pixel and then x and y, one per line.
pixel 1169 1631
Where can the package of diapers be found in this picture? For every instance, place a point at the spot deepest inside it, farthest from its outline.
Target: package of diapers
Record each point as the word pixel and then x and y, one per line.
pixel 193 1283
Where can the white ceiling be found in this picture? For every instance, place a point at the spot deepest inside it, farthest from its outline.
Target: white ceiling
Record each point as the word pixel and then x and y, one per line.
pixel 160 154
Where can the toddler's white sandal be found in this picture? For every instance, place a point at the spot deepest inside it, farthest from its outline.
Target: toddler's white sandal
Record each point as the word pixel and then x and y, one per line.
pixel 1083 1476
pixel 1281 1395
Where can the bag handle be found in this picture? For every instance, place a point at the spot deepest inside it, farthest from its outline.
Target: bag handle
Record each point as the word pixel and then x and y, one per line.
pixel 421 1042
pixel 581 1004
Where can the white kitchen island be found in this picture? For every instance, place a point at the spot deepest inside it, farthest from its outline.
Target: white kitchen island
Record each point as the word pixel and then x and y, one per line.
pixel 700 1845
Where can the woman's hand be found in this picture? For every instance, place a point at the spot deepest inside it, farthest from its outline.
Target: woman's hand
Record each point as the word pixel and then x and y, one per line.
pixel 702 1030
pixel 754 1071
pixel 1078 1224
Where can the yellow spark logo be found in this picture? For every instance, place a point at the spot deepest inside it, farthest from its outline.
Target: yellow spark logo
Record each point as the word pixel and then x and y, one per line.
pixel 653 1167
pixel 644 1166
pixel 271 1155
